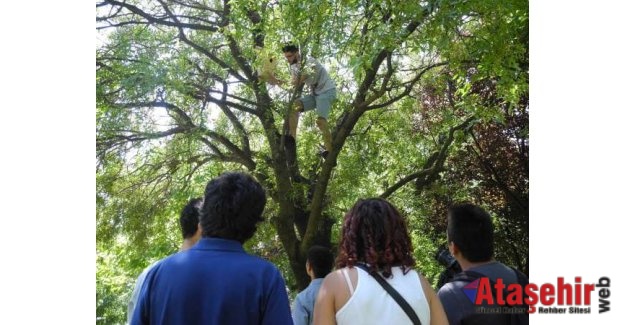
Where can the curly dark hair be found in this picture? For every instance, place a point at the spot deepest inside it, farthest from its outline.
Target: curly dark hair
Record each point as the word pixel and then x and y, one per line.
pixel 189 217
pixel 233 206
pixel 375 233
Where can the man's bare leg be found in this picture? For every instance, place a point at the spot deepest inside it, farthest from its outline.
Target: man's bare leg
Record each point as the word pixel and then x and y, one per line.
pixel 294 118
pixel 290 147
pixel 322 124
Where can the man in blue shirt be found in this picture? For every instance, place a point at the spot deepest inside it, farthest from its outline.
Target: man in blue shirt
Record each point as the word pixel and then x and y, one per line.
pixel 189 225
pixel 318 264
pixel 216 281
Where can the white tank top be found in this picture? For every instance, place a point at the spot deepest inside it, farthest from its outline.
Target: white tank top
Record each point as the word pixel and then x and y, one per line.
pixel 371 304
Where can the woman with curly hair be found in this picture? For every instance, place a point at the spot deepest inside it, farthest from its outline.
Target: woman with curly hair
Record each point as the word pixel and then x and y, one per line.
pixel 375 238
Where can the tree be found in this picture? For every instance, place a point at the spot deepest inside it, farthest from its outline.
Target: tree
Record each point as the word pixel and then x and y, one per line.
pixel 179 100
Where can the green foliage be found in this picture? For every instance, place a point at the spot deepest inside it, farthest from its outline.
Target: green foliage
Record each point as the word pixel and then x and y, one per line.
pixel 165 127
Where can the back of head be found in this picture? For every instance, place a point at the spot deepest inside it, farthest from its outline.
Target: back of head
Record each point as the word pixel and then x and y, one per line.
pixel 290 48
pixel 233 206
pixel 374 232
pixel 190 217
pixel 471 230
pixel 321 260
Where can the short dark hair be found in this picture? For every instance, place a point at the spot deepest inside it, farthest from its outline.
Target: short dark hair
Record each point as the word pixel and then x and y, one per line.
pixel 233 205
pixel 471 229
pixel 290 48
pixel 374 232
pixel 189 217
pixel 321 260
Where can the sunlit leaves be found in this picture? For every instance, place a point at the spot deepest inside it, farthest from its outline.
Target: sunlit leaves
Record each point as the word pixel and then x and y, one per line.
pixel 176 107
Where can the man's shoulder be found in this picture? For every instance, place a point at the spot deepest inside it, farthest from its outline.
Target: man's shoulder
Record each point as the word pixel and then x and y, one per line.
pixel 300 296
pixel 155 263
pixel 315 63
pixel 150 267
pixel 306 291
pixel 306 296
pixel 259 263
pixel 497 270
pixel 165 260
pixel 452 287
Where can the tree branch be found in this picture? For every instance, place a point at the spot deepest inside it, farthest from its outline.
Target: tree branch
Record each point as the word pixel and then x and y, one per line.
pixel 433 165
pixel 407 88
pixel 235 121
pixel 110 142
pixel 160 21
pixel 211 56
pixel 235 50
pixel 200 6
pixel 243 157
pixel 493 171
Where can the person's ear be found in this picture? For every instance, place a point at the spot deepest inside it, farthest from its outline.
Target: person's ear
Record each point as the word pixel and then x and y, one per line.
pixel 453 249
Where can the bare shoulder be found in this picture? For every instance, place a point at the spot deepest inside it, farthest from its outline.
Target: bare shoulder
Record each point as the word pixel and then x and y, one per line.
pixel 437 313
pixel 325 306
pixel 331 280
pixel 424 280
pixel 427 287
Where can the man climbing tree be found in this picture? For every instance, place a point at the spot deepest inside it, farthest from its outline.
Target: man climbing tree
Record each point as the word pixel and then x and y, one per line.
pixel 322 94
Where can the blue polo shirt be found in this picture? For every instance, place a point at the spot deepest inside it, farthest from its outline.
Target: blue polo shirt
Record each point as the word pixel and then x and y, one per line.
pixel 304 306
pixel 214 282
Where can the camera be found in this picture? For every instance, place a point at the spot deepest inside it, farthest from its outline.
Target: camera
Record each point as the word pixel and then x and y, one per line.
pixel 452 267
